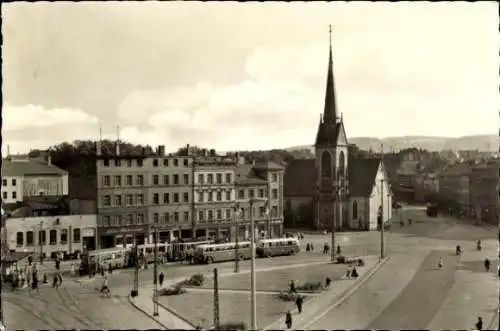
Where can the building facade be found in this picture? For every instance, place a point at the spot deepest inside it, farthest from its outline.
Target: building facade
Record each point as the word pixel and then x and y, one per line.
pixel 24 177
pixel 454 190
pixel 214 191
pixel 177 196
pixel 50 234
pixel 483 182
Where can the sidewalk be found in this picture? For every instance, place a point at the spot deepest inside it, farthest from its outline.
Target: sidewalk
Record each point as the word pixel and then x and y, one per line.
pixel 337 293
pixel 166 317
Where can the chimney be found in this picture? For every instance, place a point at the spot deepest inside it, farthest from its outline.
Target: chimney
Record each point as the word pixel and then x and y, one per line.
pixel 161 150
pixel 49 159
pixel 188 150
pixel 144 151
pixel 241 160
pixel 117 141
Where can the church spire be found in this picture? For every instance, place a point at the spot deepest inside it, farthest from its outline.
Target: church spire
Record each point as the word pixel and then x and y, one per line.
pixel 330 112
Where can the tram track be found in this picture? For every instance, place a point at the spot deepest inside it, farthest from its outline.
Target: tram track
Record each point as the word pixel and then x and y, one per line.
pixel 73 307
pixel 37 313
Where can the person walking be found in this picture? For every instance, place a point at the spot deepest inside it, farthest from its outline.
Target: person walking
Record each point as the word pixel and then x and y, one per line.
pixel 479 323
pixel 299 302
pixel 288 320
pixel 440 263
pixel 487 264
pixel 161 278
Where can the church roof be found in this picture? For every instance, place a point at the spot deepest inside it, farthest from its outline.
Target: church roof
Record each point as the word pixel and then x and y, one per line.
pixel 300 177
pixel 268 165
pixel 328 134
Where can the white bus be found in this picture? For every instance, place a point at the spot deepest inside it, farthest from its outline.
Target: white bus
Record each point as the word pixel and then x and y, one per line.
pixel 115 257
pixel 277 247
pixel 148 251
pixel 222 252
pixel 184 250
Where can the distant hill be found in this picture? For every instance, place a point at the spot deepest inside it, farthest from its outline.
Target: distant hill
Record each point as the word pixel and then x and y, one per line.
pixel 487 143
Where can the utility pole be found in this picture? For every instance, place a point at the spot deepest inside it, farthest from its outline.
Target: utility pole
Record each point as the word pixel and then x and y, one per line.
pixel 216 300
pixel 135 289
pixel 382 244
pixel 236 251
pixel 253 300
pixel 155 280
pixel 41 239
pixel 335 197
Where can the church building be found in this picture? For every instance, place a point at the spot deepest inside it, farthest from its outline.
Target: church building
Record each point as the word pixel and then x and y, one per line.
pixel 335 187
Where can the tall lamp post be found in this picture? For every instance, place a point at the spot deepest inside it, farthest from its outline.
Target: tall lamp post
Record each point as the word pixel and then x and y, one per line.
pixel 253 324
pixel 237 212
pixel 155 275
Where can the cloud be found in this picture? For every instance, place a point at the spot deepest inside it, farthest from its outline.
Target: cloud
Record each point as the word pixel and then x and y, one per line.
pixel 34 116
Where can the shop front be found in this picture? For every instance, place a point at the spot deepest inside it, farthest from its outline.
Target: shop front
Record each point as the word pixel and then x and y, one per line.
pixel 122 236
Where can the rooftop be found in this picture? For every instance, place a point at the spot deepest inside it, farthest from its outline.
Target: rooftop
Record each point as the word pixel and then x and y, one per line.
pixel 246 175
pixel 29 167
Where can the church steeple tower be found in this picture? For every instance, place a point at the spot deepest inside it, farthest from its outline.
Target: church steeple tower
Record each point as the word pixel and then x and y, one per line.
pixel 330 111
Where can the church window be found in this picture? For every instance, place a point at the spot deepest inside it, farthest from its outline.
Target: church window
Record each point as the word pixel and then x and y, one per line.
pixel 341 164
pixel 326 164
pixel 354 210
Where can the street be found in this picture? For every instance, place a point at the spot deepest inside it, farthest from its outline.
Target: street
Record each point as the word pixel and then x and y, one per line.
pixel 408 292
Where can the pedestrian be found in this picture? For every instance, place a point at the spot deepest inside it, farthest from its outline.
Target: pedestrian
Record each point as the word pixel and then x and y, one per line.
pixel 54 281
pixel 479 323
pixel 440 263
pixel 312 247
pixel 288 320
pixel 299 301
pixel 59 278
pixel 34 284
pixel 58 264
pixel 161 278
pixel 292 287
pixel 487 264
pixel 308 248
pixel 354 273
pixel 327 282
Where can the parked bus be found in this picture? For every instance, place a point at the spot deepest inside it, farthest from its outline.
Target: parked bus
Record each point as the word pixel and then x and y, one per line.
pixel 148 251
pixel 222 252
pixel 277 247
pixel 184 250
pixel 116 257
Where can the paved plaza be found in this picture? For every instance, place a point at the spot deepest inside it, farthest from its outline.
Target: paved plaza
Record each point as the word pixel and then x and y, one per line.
pixel 407 291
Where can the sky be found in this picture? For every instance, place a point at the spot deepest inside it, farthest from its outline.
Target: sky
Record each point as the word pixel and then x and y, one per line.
pixel 245 75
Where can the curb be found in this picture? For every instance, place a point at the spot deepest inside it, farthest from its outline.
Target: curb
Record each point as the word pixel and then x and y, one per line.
pixel 131 301
pixel 176 314
pixel 347 293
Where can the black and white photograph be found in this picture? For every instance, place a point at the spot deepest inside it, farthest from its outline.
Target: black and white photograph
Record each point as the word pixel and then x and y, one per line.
pixel 250 165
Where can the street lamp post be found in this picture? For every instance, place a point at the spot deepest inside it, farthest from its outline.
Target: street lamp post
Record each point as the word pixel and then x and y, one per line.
pixel 252 267
pixel 155 271
pixel 236 252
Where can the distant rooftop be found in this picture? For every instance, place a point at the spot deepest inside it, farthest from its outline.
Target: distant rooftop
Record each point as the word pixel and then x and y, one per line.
pixel 29 167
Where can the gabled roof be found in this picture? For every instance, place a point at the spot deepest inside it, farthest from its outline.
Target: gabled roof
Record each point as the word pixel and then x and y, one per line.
pixel 31 167
pixel 362 174
pixel 300 177
pixel 245 175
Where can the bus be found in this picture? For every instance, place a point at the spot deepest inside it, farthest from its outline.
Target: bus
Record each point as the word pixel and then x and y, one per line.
pixel 116 257
pixel 148 251
pixel 184 250
pixel 277 247
pixel 222 252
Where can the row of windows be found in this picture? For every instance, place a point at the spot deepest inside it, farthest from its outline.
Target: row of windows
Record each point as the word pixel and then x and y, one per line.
pixel 218 196
pixel 118 220
pixel 5 195
pixel 170 217
pixel 166 180
pixel 250 193
pixel 218 178
pixel 5 183
pixel 117 200
pixel 139 162
pixel 28 237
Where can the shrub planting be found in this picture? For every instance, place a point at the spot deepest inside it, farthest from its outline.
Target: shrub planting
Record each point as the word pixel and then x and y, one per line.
pixel 310 287
pixel 169 291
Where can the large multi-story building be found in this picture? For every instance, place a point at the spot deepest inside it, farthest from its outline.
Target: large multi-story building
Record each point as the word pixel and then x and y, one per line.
pixel 454 191
pixel 178 196
pixel 24 177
